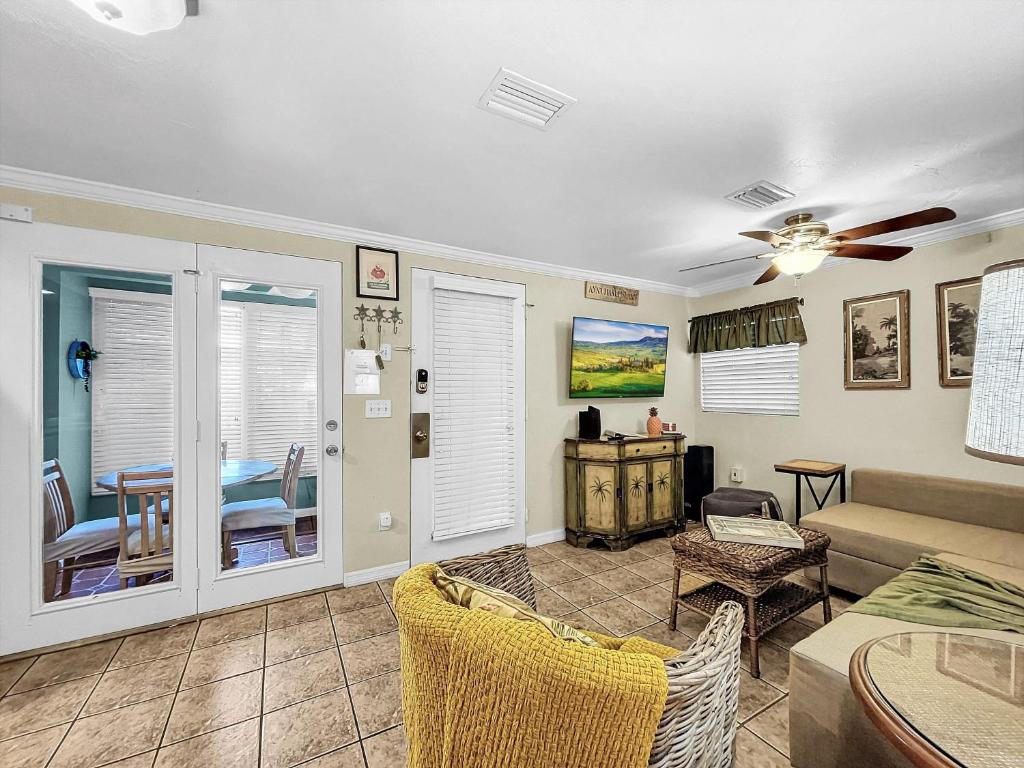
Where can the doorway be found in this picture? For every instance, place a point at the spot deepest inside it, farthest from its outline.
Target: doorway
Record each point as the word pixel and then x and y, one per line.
pixel 469 415
pixel 163 448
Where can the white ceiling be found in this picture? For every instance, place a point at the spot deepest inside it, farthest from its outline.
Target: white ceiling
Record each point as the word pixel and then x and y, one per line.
pixel 364 114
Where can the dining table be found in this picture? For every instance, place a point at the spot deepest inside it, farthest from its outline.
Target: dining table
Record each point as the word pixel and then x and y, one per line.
pixel 232 472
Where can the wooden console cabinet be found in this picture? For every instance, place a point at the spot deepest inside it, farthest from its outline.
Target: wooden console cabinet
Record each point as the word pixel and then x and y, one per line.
pixel 617 490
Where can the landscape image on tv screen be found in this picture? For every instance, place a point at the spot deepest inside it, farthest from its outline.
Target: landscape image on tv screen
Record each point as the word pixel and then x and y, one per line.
pixel 617 359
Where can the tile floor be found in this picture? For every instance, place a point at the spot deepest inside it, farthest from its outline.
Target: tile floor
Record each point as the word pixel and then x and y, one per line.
pixel 95 581
pixel 314 681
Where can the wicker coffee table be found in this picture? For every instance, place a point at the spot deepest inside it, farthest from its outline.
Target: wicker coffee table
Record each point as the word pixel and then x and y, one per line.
pixel 752 575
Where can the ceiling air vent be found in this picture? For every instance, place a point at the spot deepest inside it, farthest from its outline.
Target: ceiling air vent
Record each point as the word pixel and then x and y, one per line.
pixel 759 195
pixel 519 98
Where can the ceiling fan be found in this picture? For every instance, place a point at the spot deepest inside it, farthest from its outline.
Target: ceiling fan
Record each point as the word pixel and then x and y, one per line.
pixel 802 244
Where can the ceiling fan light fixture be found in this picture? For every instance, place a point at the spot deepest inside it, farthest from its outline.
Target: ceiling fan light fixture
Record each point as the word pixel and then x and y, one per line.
pixel 799 261
pixel 139 17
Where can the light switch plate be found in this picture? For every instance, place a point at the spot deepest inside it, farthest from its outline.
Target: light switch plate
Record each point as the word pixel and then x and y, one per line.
pixel 378 409
pixel 385 352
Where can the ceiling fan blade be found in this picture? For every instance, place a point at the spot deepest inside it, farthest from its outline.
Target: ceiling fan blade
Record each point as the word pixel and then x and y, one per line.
pixel 769 274
pixel 873 252
pixel 907 221
pixel 768 237
pixel 717 263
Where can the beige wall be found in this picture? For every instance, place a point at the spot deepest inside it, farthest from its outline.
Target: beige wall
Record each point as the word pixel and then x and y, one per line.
pixel 376 453
pixel 917 430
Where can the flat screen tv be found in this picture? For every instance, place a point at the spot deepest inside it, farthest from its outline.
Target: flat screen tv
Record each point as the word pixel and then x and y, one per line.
pixel 611 358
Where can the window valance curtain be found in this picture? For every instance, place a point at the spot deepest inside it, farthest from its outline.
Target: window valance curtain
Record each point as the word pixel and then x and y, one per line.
pixel 763 325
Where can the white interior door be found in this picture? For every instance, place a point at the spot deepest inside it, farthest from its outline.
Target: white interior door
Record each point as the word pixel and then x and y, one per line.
pixel 131 299
pixel 469 492
pixel 270 368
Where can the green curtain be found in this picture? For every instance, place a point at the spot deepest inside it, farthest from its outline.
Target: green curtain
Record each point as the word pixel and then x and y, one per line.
pixel 777 322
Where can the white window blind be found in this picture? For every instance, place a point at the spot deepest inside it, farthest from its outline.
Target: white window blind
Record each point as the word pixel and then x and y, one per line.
pixel 280 383
pixel 474 411
pixel 754 380
pixel 133 380
pixel 232 384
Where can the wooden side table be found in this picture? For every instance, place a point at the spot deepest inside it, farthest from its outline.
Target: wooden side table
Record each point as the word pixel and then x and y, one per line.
pixel 807 468
pixel 754 576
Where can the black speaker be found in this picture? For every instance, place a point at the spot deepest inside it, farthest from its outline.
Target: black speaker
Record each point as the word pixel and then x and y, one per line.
pixel 590 424
pixel 698 478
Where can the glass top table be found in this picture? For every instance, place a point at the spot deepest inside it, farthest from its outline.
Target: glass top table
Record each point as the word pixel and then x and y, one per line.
pixel 945 700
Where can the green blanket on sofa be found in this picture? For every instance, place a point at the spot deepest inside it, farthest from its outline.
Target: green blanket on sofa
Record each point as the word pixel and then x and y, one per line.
pixel 932 591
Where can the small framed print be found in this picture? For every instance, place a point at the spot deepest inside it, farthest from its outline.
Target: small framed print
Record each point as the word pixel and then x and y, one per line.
pixel 956 310
pixel 376 273
pixel 876 341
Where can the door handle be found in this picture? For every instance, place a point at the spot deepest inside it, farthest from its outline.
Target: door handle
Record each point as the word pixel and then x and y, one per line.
pixel 419 435
pixel 331 450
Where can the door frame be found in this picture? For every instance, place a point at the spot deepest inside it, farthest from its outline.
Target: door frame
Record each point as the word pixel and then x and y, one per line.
pixel 222 589
pixel 27 622
pixel 421 547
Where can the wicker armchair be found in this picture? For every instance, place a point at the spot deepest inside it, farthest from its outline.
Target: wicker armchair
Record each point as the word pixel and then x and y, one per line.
pixel 698 725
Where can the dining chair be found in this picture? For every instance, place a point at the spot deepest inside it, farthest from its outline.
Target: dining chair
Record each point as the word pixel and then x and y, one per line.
pixel 276 512
pixel 148 549
pixel 64 540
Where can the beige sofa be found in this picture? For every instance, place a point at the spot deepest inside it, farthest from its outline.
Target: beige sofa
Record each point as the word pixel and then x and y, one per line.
pixel 827 725
pixel 894 517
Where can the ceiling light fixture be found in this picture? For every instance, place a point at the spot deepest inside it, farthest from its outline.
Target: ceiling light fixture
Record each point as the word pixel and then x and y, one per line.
pixel 995 424
pixel 800 260
pixel 140 17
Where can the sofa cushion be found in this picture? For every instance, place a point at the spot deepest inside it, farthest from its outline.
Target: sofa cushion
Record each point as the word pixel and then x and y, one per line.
pixel 994 505
pixel 896 538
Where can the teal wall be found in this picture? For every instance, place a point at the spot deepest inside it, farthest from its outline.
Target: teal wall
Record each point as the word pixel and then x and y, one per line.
pixel 67 408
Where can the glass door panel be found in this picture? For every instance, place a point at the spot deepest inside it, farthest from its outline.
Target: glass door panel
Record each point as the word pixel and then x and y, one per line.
pixel 269 412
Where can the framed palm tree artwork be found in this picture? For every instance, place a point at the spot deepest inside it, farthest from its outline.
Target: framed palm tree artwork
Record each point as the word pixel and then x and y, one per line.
pixel 876 341
pixel 956 311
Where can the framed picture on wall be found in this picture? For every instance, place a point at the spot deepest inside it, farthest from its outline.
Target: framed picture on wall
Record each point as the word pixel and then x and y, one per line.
pixel 956 310
pixel 376 273
pixel 876 341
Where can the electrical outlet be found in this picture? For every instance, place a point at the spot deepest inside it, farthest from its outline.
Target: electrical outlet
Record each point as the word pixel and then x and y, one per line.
pixel 384 522
pixel 736 474
pixel 385 352
pixel 378 409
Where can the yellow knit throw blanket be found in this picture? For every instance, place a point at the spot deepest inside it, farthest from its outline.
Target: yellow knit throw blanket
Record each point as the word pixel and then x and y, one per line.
pixel 483 691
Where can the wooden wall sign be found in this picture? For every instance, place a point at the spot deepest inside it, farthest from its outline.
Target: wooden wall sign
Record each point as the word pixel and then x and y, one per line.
pixel 613 293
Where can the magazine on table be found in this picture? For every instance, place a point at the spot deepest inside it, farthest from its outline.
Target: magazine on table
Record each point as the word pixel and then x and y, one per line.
pixel 750 530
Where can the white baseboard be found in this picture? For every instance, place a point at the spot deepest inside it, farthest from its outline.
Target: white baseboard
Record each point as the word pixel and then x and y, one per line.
pixel 545 537
pixel 367 575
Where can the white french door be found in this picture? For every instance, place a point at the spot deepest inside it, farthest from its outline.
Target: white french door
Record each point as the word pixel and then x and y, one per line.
pixel 270 377
pixel 469 415
pixel 46 274
pixel 208 365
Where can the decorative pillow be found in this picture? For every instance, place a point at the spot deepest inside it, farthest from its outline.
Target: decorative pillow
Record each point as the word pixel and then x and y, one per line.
pixel 480 597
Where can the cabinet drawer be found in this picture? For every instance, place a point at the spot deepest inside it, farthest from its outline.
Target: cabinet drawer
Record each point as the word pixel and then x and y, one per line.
pixel 654 448
pixel 598 451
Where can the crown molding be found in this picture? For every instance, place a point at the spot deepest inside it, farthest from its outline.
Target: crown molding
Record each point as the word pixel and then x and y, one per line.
pixel 40 181
pixel 939 235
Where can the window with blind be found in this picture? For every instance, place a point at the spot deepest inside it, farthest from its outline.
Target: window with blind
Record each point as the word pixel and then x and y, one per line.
pixel 475 412
pixel 763 380
pixel 133 380
pixel 268 381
